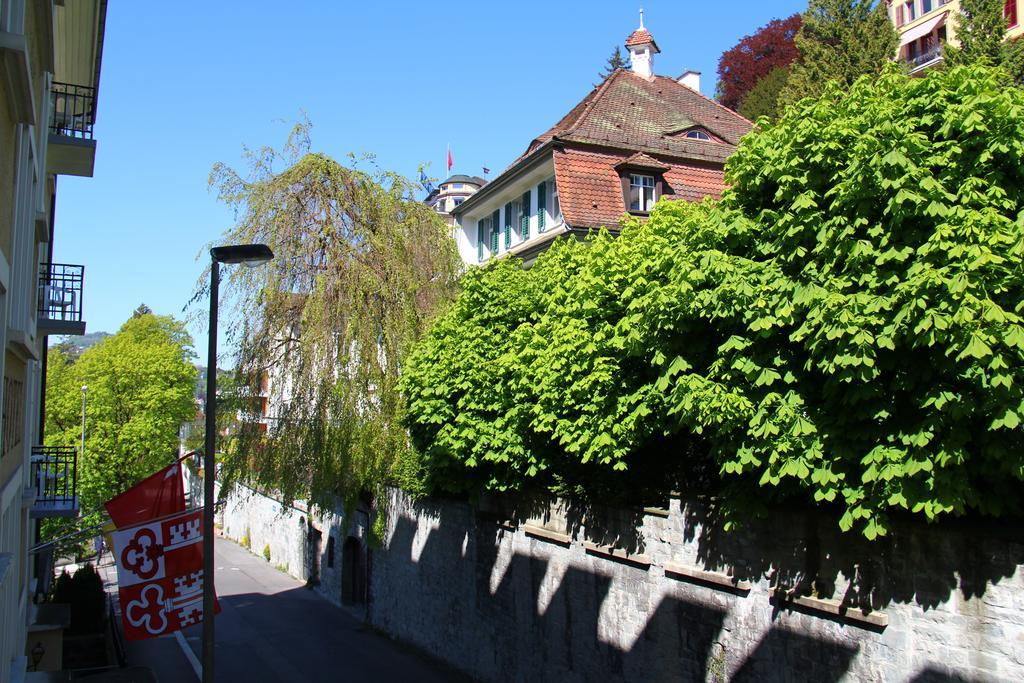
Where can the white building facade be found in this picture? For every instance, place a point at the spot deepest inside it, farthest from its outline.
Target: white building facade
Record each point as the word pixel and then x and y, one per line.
pixel 49 77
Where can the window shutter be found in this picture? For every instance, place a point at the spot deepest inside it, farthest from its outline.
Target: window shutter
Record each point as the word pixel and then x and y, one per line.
pixel 494 231
pixel 524 229
pixel 480 240
pixel 508 225
pixel 542 205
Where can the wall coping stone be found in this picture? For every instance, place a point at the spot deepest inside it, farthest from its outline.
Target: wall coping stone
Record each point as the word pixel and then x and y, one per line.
pixel 547 535
pixel 679 570
pixel 851 613
pixel 617 554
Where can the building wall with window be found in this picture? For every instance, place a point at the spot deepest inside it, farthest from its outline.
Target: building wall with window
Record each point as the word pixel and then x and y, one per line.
pixel 636 139
pixel 524 212
pixel 925 25
pixel 40 42
pixel 451 192
pixel 23 203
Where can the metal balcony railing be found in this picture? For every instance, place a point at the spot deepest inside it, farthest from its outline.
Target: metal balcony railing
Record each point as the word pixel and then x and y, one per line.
pixel 930 55
pixel 60 292
pixel 55 477
pixel 73 110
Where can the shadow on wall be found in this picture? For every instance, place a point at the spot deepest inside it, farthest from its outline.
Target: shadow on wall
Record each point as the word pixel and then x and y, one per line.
pixel 934 675
pixel 805 551
pixel 916 563
pixel 515 639
pixel 524 617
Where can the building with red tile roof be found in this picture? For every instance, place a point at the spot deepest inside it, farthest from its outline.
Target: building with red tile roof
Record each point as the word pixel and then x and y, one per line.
pixel 636 139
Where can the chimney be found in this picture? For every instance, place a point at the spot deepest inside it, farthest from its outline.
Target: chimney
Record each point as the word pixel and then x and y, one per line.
pixel 691 79
pixel 642 49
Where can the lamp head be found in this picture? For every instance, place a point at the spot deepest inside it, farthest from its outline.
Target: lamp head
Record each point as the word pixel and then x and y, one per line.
pixel 248 254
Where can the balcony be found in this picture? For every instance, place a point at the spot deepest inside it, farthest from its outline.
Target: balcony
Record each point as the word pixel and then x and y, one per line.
pixel 55 479
pixel 59 310
pixel 923 60
pixel 71 149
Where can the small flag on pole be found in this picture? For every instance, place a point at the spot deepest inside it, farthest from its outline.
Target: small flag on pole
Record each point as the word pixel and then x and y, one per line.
pixel 155 496
pixel 486 170
pixel 449 160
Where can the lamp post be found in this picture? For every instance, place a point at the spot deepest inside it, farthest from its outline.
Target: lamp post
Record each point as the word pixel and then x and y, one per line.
pixel 250 255
pixel 85 390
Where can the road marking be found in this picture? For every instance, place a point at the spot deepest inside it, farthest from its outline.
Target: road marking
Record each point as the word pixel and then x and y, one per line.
pixel 189 655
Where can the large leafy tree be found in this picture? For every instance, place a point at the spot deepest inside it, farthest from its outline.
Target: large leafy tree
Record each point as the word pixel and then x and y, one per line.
pixel 360 269
pixel 840 40
pixel 140 391
pixel 844 327
pixel 981 30
pixel 754 57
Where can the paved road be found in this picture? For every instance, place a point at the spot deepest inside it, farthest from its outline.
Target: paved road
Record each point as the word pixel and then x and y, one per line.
pixel 271 628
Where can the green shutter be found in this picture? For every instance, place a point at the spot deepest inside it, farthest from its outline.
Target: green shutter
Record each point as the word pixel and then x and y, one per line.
pixel 524 229
pixel 495 229
pixel 508 225
pixel 480 240
pixel 541 205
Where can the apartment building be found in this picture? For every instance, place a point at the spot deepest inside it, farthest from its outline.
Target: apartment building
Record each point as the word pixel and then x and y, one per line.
pixel 635 139
pixel 925 25
pixel 50 54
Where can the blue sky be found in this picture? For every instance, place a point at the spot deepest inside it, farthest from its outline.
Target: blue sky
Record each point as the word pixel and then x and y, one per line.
pixel 185 87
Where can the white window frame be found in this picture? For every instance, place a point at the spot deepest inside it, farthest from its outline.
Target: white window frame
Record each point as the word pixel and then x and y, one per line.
pixel 646 193
pixel 555 207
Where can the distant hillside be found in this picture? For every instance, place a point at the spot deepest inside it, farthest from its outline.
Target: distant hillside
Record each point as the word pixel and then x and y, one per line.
pixel 75 345
pixel 86 340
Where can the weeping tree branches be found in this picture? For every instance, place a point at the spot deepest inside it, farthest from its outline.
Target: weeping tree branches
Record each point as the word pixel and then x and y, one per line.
pixel 360 270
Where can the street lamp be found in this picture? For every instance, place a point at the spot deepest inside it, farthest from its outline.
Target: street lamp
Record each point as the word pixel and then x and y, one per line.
pixel 85 390
pixel 250 255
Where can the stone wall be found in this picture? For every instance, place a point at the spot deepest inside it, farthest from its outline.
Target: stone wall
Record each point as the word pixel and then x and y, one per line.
pixel 551 591
pixel 299 541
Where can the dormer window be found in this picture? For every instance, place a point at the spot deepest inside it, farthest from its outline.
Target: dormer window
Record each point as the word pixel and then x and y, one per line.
pixel 693 133
pixel 641 192
pixel 643 182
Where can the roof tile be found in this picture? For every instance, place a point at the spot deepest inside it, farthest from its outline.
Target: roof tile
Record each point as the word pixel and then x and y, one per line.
pixel 590 189
pixel 641 36
pixel 627 110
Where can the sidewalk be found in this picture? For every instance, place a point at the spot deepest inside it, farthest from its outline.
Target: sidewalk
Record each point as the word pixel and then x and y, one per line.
pixel 163 656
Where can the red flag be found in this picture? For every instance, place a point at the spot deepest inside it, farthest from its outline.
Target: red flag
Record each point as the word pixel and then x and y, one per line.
pixel 449 159
pixel 158 495
pixel 160 575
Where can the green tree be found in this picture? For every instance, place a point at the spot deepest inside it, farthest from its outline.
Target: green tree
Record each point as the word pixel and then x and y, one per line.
pixel 617 60
pixel 360 270
pixel 981 30
pixel 845 327
pixel 763 98
pixel 140 384
pixel 840 40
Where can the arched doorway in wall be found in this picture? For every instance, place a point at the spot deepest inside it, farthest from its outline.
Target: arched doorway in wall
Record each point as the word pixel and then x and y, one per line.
pixel 353 576
pixel 313 540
